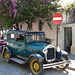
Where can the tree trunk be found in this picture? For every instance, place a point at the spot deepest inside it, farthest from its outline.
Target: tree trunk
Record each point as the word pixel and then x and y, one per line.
pixel 29 24
pixel 16 27
pixel 2 29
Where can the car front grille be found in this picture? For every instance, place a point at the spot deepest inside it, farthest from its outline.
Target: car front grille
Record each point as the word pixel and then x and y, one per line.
pixel 50 53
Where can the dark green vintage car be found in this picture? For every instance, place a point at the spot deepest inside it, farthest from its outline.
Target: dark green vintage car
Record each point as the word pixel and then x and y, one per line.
pixel 30 47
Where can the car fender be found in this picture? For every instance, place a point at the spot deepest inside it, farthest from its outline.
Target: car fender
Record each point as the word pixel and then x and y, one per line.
pixel 60 54
pixel 64 53
pixel 37 56
pixel 6 48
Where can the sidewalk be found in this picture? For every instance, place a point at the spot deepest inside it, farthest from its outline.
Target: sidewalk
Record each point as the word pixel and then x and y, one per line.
pixel 72 64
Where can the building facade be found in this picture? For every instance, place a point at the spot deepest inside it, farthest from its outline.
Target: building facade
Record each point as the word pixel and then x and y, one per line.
pixel 66 32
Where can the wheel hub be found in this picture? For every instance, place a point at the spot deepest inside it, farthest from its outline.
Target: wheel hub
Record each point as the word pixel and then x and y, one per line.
pixel 36 66
pixel 6 55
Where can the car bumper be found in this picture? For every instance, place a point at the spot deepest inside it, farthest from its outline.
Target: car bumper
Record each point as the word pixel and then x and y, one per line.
pixel 45 66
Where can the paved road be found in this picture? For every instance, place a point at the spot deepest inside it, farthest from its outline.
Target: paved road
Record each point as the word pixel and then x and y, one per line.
pixel 16 69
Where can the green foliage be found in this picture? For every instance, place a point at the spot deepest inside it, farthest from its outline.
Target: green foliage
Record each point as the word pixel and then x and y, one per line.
pixel 28 11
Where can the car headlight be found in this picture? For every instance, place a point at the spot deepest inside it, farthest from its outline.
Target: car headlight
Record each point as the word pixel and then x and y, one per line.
pixel 45 51
pixel 58 49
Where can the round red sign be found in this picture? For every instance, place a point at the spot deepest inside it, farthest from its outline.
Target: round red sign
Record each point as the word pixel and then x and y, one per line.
pixel 57 18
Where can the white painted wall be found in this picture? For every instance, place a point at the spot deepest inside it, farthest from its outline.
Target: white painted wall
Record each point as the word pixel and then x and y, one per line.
pixel 51 34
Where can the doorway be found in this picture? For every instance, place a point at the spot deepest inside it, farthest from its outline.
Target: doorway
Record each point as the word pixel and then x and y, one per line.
pixel 67 38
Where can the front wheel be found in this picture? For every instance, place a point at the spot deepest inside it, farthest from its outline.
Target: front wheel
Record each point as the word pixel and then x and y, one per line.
pixel 64 58
pixel 7 56
pixel 35 66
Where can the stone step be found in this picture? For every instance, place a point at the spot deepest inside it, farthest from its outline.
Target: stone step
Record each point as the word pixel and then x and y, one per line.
pixel 17 60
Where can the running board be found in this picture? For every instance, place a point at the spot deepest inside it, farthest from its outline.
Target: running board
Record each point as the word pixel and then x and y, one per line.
pixel 55 64
pixel 17 60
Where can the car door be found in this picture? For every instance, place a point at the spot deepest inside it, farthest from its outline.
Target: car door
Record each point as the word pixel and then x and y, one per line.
pixel 20 45
pixel 11 42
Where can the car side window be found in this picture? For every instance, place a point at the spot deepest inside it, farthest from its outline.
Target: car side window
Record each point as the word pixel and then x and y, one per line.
pixel 11 37
pixel 20 37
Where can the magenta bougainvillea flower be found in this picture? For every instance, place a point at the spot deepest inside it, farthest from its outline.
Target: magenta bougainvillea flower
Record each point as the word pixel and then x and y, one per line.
pixel 14 3
pixel 10 14
pixel 9 11
pixel 4 0
pixel 10 8
pixel 0 11
pixel 44 1
pixel 15 13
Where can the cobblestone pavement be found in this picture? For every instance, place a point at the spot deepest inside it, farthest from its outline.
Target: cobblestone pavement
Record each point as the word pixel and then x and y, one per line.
pixel 17 69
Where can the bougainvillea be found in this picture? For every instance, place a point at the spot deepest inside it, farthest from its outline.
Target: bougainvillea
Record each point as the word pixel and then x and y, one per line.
pixel 15 11
pixel 44 1
pixel 7 7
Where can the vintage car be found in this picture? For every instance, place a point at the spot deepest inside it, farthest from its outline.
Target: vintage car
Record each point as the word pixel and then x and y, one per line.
pixel 30 47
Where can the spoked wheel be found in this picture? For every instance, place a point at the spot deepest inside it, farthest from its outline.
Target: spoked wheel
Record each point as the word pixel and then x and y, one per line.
pixel 35 66
pixel 7 56
pixel 64 66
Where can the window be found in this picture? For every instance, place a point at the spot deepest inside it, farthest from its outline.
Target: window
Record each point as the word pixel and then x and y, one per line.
pixel 11 37
pixel 20 26
pixel 20 37
pixel 30 38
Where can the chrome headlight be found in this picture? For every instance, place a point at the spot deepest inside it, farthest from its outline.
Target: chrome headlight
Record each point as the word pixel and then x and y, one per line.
pixel 58 49
pixel 45 51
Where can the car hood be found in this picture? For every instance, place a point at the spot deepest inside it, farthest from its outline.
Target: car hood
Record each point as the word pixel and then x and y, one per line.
pixel 37 45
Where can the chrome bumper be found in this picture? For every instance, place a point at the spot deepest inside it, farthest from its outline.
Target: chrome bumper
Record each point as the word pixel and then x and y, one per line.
pixel 55 64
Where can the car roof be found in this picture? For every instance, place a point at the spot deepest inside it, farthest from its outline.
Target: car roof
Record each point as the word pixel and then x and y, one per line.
pixel 27 32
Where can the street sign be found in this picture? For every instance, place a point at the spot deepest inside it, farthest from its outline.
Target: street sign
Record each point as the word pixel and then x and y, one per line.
pixel 57 18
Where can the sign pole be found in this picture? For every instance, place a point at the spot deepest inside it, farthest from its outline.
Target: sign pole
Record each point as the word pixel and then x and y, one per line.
pixel 57 19
pixel 57 37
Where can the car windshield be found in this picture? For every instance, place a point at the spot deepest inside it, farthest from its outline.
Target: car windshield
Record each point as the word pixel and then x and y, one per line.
pixel 31 38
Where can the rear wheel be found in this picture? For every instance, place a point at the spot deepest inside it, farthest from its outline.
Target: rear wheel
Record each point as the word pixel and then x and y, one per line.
pixel 35 66
pixel 7 56
pixel 64 58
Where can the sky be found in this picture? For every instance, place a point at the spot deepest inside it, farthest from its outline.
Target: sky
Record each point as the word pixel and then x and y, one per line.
pixel 65 2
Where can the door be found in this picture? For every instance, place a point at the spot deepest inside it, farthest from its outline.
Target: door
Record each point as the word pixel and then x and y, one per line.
pixel 67 38
pixel 20 45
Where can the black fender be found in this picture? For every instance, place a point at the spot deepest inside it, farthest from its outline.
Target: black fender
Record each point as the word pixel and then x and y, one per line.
pixel 60 54
pixel 37 56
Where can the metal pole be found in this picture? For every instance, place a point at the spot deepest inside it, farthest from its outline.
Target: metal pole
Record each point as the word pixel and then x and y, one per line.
pixel 57 37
